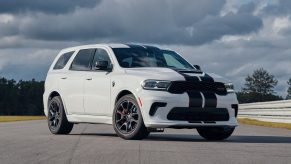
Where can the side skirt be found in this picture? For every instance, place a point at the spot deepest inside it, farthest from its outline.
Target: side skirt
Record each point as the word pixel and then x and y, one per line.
pixel 74 118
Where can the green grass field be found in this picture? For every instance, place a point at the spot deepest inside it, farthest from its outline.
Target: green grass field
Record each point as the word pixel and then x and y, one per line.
pixel 264 123
pixel 20 118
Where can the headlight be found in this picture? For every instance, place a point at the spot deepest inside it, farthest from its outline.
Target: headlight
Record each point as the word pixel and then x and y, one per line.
pixel 155 84
pixel 229 87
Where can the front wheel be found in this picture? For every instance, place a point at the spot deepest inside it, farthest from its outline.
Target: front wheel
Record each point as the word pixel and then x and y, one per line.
pixel 127 119
pixel 215 133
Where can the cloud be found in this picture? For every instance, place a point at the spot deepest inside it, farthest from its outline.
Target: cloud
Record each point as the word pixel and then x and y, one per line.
pixel 279 8
pixel 164 22
pixel 44 6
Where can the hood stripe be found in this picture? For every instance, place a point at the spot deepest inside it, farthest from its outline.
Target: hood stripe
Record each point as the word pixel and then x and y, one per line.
pixel 200 99
pixel 210 97
pixel 195 98
pixel 207 78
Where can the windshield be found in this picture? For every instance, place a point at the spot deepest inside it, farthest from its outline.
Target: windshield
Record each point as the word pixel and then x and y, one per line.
pixel 141 57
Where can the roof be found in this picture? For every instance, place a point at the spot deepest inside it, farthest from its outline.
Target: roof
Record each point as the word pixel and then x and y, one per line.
pixel 113 45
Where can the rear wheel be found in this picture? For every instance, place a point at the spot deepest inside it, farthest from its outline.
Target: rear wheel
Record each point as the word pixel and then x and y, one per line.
pixel 215 133
pixel 57 119
pixel 127 119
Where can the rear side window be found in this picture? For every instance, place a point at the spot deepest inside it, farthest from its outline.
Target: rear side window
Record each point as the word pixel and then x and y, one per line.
pixel 63 60
pixel 82 61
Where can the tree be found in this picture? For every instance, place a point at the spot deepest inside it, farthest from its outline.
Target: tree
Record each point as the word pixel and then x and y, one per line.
pixel 289 89
pixel 260 82
pixel 259 87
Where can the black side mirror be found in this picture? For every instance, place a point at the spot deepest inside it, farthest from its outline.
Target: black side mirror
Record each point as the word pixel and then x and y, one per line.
pixel 101 65
pixel 197 67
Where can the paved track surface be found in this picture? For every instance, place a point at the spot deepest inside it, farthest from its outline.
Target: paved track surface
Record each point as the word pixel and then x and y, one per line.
pixel 31 142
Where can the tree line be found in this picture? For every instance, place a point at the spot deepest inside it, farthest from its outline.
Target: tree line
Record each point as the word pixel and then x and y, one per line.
pixel 25 97
pixel 21 98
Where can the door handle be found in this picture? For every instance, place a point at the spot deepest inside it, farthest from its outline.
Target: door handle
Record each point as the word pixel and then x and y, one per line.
pixel 64 78
pixel 89 78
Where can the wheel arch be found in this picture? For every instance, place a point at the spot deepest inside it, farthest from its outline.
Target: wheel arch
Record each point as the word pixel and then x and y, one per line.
pixel 54 94
pixel 123 93
pixel 126 92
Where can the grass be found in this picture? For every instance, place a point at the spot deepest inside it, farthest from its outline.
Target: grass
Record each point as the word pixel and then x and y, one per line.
pixel 20 118
pixel 264 123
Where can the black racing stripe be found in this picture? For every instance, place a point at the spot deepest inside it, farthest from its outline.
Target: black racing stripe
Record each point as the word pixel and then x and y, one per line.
pixel 195 99
pixel 151 47
pixel 210 99
pixel 188 77
pixel 206 78
pixel 135 46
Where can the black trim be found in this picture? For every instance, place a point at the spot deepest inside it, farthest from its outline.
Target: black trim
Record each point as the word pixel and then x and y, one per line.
pixel 155 107
pixel 179 87
pixel 235 107
pixel 198 114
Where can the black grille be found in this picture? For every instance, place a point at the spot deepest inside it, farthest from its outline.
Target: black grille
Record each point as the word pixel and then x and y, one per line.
pixel 179 87
pixel 198 114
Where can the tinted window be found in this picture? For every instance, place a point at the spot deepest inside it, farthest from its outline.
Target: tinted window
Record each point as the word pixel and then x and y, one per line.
pixel 141 57
pixel 63 60
pixel 82 61
pixel 101 55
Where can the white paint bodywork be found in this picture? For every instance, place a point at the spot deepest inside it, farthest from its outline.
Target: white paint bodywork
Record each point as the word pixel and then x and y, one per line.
pixel 93 101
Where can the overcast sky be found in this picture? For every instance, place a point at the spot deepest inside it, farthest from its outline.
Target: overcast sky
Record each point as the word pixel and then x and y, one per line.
pixel 230 38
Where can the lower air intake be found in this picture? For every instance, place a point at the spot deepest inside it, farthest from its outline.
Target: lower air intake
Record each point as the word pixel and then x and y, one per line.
pixel 198 114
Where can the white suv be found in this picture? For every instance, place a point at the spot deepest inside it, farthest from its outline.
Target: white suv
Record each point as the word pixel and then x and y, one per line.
pixel 137 88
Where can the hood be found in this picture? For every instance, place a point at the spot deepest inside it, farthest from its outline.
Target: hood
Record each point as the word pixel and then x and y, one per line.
pixel 159 73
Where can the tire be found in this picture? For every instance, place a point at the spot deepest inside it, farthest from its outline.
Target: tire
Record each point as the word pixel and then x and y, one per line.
pixel 57 119
pixel 215 133
pixel 127 119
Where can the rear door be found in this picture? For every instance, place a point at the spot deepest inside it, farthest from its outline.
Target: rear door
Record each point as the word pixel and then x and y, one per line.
pixel 72 83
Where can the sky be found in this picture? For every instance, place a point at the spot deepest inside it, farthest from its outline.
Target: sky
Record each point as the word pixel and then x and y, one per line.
pixel 231 38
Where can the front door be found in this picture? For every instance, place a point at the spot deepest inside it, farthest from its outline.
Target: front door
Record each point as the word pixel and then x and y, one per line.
pixel 97 87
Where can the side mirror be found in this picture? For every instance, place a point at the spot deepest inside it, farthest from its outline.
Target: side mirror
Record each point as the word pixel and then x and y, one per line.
pixel 101 65
pixel 197 67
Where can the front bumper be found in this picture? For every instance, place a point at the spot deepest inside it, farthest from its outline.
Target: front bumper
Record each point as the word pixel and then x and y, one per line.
pixel 160 120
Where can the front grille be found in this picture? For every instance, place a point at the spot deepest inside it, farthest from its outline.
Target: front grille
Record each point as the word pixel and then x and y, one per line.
pixel 198 114
pixel 178 87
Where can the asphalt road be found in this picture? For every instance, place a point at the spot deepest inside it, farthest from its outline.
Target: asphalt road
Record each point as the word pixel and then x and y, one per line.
pixel 31 142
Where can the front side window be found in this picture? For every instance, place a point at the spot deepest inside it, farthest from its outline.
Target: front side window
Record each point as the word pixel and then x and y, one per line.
pixel 82 61
pixel 140 57
pixel 101 55
pixel 63 60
